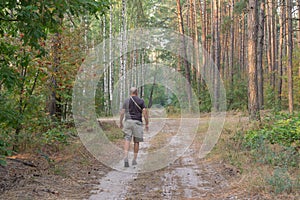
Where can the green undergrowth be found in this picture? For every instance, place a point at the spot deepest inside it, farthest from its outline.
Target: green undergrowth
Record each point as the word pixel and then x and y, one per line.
pixel 112 131
pixel 35 137
pixel 266 152
pixel 282 129
pixel 276 144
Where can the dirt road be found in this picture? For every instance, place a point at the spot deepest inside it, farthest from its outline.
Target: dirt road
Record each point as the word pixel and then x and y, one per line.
pixel 187 178
pixel 74 173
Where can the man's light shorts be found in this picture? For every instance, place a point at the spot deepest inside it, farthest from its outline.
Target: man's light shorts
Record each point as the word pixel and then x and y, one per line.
pixel 133 128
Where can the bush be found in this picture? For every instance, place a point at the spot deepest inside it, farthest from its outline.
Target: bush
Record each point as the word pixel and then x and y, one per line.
pixel 283 129
pixel 237 95
pixel 5 148
pixel 281 181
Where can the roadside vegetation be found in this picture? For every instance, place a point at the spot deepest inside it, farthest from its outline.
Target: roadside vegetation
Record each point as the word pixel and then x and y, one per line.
pixel 267 155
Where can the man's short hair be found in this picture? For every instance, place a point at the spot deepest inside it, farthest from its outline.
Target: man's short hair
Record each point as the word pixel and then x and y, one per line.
pixel 133 90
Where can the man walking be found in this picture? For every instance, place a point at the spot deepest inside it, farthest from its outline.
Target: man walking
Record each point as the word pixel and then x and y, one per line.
pixel 133 110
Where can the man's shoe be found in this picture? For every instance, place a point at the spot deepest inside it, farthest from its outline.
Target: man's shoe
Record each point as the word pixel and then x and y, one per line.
pixel 134 162
pixel 126 164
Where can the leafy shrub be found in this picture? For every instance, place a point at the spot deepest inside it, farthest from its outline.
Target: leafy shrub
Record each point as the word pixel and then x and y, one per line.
pixel 277 142
pixel 205 101
pixel 282 129
pixel 237 95
pixel 54 135
pixel 4 151
pixel 281 181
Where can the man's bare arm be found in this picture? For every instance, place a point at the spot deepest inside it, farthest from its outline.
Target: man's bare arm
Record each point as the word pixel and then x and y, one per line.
pixel 122 117
pixel 146 117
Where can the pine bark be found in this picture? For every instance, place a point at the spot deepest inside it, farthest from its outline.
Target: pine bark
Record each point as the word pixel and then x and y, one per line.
pixel 252 62
pixel 186 64
pixel 260 45
pixel 217 55
pixel 231 58
pixel 281 50
pixel 290 55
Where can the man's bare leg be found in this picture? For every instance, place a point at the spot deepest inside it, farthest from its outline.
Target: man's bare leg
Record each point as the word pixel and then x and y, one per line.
pixel 126 149
pixel 136 151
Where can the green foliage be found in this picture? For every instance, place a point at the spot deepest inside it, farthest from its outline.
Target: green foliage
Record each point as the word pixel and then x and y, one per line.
pixel 226 23
pixel 160 95
pixel 26 65
pixel 277 142
pixel 240 7
pixel 112 131
pixel 281 181
pixel 54 135
pixel 4 151
pixel 296 74
pixel 271 101
pixel 35 19
pixel 205 101
pixel 266 145
pixel 283 129
pixel 237 95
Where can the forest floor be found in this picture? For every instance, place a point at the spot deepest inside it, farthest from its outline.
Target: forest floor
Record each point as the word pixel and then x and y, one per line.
pixel 72 173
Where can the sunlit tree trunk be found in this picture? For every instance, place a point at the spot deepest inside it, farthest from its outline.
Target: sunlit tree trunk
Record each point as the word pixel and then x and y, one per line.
pixel 106 70
pixel 252 64
pixel 281 49
pixel 204 22
pixel 260 46
pixel 270 54
pixel 196 41
pixel 217 54
pixel 231 58
pixel 298 32
pixel 186 65
pixel 110 57
pixel 123 56
pixel 212 44
pixel 290 54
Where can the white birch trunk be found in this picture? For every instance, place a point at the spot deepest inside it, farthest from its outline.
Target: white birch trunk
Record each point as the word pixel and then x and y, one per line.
pixel 105 83
pixel 110 58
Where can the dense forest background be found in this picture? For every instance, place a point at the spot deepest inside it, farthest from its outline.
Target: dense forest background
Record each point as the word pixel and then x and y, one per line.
pixel 254 44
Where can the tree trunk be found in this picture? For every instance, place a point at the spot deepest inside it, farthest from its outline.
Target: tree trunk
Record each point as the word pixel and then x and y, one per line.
pixel 56 49
pixel 231 58
pixel 290 55
pixel 105 75
pixel 281 50
pixel 203 32
pixel 123 88
pixel 252 68
pixel 217 55
pixel 212 46
pixel 110 59
pixel 260 45
pixel 298 32
pixel 273 44
pixel 186 65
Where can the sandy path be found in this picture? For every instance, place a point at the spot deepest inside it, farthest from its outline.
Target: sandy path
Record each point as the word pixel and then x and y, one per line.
pixel 185 178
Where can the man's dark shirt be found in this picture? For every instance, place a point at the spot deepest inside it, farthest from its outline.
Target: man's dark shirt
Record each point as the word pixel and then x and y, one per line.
pixel 131 110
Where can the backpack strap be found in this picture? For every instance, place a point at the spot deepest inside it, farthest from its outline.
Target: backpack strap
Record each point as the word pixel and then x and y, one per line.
pixel 136 103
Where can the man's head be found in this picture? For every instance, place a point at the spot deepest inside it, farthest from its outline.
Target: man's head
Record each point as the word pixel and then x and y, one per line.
pixel 133 91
